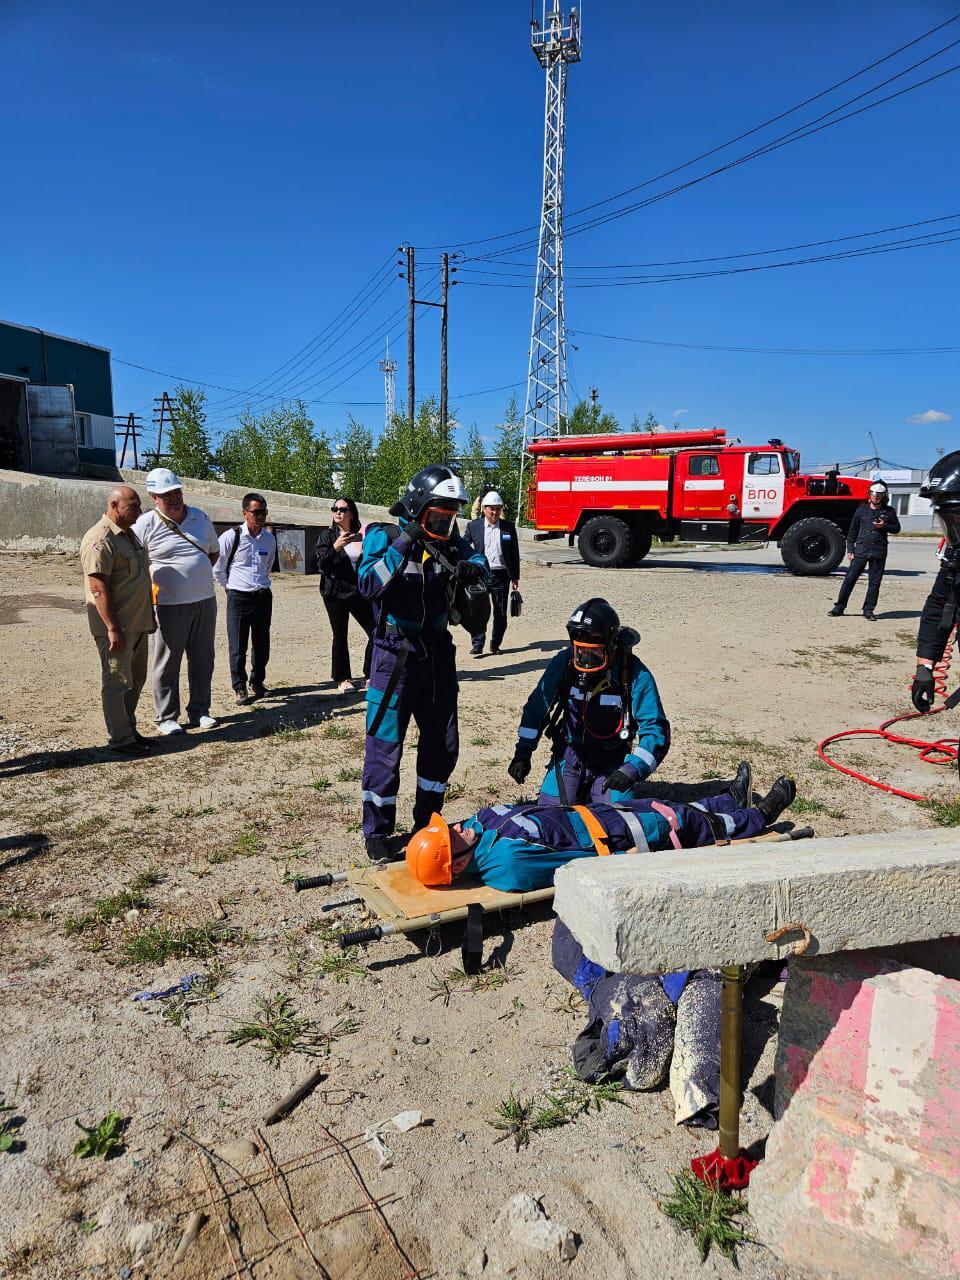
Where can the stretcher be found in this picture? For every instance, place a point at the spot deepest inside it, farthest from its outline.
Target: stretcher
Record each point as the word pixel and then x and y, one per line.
pixel 403 905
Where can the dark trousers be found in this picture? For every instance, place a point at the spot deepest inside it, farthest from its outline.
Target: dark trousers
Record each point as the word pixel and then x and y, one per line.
pixel 248 618
pixel 499 601
pixel 339 611
pixel 874 566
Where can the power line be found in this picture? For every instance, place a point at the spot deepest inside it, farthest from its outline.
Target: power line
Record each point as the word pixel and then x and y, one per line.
pixel 771 351
pixel 668 173
pixel 806 130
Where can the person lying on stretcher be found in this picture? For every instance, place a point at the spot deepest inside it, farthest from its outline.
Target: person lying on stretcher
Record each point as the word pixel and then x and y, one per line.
pixel 518 847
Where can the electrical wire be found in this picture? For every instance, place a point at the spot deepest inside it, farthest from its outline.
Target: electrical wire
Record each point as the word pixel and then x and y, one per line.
pixel 509 235
pixel 771 351
pixel 808 129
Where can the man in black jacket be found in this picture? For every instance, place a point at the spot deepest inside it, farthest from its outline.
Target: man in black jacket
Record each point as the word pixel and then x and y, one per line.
pixel 942 608
pixel 867 549
pixel 496 539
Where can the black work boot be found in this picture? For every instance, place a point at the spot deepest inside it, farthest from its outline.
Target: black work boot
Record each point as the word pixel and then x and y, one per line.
pixel 779 797
pixel 741 788
pixel 869 615
pixel 835 612
pixel 378 848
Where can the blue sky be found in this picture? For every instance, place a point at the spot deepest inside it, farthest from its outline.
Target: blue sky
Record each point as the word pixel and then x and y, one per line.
pixel 203 187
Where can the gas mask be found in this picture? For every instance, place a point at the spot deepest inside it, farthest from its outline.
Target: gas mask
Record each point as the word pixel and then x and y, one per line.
pixel 590 657
pixel 948 518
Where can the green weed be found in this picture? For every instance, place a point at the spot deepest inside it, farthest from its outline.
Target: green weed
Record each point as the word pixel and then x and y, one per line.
pixel 351 774
pixel 321 784
pixel 102 1139
pixel 334 731
pixel 105 910
pixel 147 879
pixel 287 732
pixel 945 813
pixel 801 805
pixel 155 944
pixel 746 747
pixel 341 966
pixel 706 1213
pixel 8 1134
pixel 481 742
pixel 277 1029
pixel 443 986
pixel 570 1098
pixel 87 1226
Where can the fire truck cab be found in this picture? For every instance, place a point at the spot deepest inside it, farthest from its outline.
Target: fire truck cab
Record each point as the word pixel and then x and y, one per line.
pixel 615 493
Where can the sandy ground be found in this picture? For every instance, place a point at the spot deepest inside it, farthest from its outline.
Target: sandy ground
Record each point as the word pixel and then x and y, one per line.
pixel 747 663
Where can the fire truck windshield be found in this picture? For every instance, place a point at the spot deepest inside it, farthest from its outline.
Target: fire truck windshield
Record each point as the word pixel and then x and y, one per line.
pixel 791 462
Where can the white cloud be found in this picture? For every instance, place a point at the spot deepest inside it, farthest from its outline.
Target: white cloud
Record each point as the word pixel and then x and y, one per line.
pixel 931 415
pixel 677 412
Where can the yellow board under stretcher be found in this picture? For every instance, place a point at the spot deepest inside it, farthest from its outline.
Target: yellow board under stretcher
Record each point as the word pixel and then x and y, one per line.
pixel 395 895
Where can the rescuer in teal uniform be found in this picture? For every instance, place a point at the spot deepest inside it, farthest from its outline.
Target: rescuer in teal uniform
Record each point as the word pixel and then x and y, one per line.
pixel 600 706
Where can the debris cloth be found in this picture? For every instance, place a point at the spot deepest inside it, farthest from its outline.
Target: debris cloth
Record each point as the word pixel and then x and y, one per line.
pixel 643 1028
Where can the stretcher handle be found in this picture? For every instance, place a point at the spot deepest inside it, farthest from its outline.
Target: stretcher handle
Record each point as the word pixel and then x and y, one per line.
pixel 359 936
pixel 319 882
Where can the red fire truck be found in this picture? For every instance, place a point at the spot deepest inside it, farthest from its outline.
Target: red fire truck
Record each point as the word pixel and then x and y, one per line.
pixel 615 493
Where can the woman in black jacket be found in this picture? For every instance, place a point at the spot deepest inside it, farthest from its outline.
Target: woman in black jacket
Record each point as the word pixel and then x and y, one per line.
pixel 337 556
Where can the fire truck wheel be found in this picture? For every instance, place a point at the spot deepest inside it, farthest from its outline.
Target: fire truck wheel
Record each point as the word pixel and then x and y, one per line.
pixel 605 542
pixel 813 546
pixel 642 542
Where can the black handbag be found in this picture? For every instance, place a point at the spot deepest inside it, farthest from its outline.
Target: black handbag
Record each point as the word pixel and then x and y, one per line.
pixel 516 603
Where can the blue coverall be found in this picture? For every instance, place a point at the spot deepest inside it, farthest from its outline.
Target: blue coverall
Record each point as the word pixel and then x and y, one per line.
pixel 520 846
pixel 597 730
pixel 409 591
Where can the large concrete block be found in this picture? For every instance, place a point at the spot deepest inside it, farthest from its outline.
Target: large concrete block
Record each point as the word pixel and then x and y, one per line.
pixel 861 1177
pixel 659 912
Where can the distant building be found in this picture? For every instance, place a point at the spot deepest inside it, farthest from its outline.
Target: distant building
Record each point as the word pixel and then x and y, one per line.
pixel 56 404
pixel 916 514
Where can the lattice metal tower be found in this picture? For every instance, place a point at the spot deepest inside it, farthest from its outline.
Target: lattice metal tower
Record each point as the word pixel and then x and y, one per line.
pixel 388 368
pixel 556 43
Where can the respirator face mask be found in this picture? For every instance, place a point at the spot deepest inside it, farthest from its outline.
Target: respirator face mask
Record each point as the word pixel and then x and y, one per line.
pixel 589 657
pixel 948 518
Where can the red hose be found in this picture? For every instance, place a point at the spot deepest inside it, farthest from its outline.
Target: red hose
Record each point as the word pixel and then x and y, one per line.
pixel 944 751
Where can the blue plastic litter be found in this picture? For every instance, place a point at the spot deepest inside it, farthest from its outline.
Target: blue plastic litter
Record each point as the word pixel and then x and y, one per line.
pixel 181 988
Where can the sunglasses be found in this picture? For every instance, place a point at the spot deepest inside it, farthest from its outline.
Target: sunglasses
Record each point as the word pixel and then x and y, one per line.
pixel 340 511
pixel 258 513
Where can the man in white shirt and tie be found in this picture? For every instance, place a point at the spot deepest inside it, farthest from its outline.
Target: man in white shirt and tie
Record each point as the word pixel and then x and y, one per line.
pixel 496 539
pixel 247 554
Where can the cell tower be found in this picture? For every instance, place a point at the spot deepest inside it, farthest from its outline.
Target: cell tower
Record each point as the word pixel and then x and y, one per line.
pixel 388 368
pixel 556 43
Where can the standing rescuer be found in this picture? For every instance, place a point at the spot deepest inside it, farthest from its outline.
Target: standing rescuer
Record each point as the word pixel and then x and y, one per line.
pixel 595 700
pixel 942 608
pixel 408 573
pixel 867 549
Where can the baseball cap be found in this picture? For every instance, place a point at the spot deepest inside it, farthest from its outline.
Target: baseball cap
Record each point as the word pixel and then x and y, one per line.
pixel 162 480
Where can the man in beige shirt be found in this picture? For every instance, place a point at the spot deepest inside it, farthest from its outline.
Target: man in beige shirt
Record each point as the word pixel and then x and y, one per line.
pixel 120 613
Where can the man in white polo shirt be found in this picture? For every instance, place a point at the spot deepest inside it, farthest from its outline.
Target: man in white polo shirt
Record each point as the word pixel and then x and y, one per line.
pixel 182 544
pixel 247 553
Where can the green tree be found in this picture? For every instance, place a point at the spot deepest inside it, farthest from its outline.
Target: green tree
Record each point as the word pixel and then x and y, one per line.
pixel 650 423
pixel 402 451
pixel 188 445
pixel 471 465
pixel 354 460
pixel 507 449
pixel 278 448
pixel 590 420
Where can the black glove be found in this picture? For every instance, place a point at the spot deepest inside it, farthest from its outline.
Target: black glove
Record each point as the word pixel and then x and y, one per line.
pixel 921 691
pixel 518 768
pixel 617 781
pixel 467 571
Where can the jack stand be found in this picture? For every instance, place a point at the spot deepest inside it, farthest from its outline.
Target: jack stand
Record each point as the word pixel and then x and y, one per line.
pixel 728 1167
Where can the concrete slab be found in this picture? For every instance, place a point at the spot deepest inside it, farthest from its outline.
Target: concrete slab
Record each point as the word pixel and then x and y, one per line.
pixel 660 912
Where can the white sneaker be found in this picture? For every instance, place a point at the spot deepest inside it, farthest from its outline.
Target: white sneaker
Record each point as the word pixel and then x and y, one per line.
pixel 203 722
pixel 166 727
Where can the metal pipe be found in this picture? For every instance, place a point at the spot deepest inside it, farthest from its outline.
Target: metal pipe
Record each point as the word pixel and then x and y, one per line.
pixel 731 1043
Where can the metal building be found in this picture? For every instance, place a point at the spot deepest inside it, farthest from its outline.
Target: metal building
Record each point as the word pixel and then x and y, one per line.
pixel 56 404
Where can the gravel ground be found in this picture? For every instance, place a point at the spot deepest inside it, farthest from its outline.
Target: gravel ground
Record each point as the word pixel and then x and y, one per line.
pixel 747 663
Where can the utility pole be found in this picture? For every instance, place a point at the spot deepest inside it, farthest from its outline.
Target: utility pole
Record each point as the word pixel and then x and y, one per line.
pixel 411 324
pixel 444 288
pixel 162 415
pixel 556 44
pixel 388 368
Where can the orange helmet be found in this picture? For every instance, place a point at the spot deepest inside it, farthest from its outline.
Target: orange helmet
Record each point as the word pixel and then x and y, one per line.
pixel 429 859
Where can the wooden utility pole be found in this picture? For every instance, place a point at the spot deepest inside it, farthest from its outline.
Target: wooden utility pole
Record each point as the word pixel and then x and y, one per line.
pixel 162 415
pixel 411 324
pixel 444 286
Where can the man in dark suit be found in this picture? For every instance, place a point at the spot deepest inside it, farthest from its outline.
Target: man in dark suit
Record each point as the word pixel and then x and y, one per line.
pixel 496 539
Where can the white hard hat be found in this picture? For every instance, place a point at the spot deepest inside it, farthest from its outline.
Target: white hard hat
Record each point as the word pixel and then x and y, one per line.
pixel 492 499
pixel 878 487
pixel 162 480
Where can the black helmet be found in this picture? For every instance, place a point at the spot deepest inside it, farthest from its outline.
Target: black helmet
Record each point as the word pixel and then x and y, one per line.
pixel 437 486
pixel 593 628
pixel 942 487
